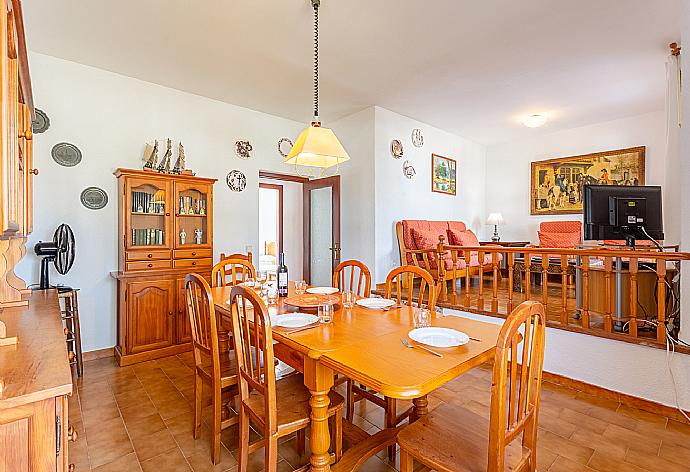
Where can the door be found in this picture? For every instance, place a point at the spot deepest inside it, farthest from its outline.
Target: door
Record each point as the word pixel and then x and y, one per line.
pixel 321 229
pixel 193 212
pixel 150 315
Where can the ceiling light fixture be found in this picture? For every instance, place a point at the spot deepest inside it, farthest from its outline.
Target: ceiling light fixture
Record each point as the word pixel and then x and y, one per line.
pixel 316 146
pixel 534 121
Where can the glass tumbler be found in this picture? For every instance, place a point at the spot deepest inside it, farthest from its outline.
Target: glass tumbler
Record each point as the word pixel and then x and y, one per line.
pixel 348 298
pixel 272 295
pixel 300 287
pixel 325 313
pixel 422 318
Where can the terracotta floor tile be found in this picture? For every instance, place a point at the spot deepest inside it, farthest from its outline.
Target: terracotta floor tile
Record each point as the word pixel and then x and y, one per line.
pixel 191 446
pixel 564 447
pixel 172 408
pixel 642 415
pixel 256 461
pixel 653 463
pixel 137 427
pixel 545 459
pixel 181 423
pixel 130 398
pixel 154 444
pixel 674 453
pixel 606 463
pixel 96 416
pixel 170 461
pixel 127 463
pixel 143 409
pixel 201 461
pixel 110 430
pixel 598 442
pixel 649 444
pixel 555 424
pixel 563 464
pixel 107 451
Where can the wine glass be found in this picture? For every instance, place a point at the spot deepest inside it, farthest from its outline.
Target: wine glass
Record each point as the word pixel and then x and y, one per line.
pixel 261 277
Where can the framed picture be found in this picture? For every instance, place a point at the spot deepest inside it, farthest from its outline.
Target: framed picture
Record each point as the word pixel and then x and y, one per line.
pixel 443 174
pixel 556 184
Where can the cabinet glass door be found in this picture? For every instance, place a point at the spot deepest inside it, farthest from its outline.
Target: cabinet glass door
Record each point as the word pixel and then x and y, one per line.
pixel 148 205
pixel 193 208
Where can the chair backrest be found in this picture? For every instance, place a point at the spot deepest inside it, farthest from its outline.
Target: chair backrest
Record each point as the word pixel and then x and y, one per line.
pixel 516 382
pixel 202 318
pixel 356 270
pixel 403 277
pixel 253 339
pixel 563 226
pixel 232 270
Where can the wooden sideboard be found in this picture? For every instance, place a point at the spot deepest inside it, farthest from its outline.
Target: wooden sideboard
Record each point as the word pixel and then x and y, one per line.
pixel 35 381
pixel 154 210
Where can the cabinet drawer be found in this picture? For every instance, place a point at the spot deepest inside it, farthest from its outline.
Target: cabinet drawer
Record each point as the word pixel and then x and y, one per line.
pixel 148 255
pixel 189 263
pixel 192 253
pixel 144 265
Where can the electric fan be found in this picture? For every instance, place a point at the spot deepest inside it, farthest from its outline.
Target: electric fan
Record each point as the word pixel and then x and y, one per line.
pixel 59 251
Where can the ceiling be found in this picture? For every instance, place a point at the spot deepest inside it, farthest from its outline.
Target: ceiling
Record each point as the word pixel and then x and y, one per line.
pixel 473 68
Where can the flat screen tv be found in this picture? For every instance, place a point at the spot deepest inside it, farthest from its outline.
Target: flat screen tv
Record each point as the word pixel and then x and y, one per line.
pixel 622 213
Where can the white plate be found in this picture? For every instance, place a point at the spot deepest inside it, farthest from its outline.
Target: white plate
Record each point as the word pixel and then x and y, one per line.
pixel 439 337
pixel 293 320
pixel 375 303
pixel 322 290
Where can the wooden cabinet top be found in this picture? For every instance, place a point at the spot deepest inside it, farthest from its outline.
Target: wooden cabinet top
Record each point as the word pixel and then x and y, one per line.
pixel 147 174
pixel 37 367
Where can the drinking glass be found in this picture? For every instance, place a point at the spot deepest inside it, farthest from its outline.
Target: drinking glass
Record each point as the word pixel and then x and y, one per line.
pixel 261 276
pixel 249 282
pixel 348 298
pixel 422 318
pixel 325 313
pixel 300 287
pixel 272 295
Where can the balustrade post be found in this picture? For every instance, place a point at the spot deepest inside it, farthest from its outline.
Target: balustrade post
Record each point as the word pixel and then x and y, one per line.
pixel 528 276
pixel 608 267
pixel 661 296
pixel 633 268
pixel 494 299
pixel 480 301
pixel 468 260
pixel 545 281
pixel 585 292
pixel 564 289
pixel 511 262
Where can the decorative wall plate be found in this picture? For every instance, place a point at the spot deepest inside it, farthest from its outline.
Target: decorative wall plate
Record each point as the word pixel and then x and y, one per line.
pixel 409 170
pixel 236 180
pixel 417 137
pixel 396 148
pixel 243 149
pixel 94 198
pixel 284 146
pixel 41 123
pixel 66 154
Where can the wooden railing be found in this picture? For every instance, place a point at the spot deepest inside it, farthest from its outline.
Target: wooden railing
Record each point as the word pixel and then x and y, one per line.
pixel 617 293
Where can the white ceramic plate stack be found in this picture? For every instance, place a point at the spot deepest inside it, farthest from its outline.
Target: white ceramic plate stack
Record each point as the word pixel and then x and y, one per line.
pixel 293 320
pixel 375 303
pixel 439 337
pixel 322 290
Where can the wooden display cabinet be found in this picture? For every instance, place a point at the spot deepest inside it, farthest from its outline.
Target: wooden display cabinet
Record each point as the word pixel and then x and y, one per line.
pixel 165 232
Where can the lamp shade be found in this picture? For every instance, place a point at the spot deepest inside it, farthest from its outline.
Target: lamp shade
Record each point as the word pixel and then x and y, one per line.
pixel 317 147
pixel 494 219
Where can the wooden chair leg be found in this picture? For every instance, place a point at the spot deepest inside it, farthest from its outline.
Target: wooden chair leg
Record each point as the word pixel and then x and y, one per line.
pixel 338 435
pixel 217 418
pixel 350 399
pixel 243 453
pixel 406 461
pixel 391 417
pixel 271 454
pixel 198 395
pixel 301 441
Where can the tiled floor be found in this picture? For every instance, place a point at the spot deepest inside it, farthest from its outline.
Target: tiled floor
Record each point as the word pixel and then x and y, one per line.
pixel 139 418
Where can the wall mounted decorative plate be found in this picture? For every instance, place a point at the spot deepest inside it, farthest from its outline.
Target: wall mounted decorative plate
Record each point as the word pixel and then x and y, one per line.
pixel 396 148
pixel 94 198
pixel 243 149
pixel 236 180
pixel 417 137
pixel 41 123
pixel 284 146
pixel 409 170
pixel 66 154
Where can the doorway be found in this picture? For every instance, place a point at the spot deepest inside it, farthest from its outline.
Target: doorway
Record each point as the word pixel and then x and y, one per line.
pixel 302 217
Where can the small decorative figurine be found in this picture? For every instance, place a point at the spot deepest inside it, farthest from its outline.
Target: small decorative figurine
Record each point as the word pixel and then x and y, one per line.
pixel 152 153
pixel 183 236
pixel 164 167
pixel 197 235
pixel 243 149
pixel 202 207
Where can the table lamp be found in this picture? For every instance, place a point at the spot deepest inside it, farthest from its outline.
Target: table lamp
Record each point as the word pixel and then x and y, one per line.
pixel 495 219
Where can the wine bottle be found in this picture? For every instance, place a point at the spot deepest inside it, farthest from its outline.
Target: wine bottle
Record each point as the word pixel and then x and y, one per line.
pixel 282 275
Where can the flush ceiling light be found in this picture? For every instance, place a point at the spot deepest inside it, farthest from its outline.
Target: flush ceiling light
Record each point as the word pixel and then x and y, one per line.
pixel 316 146
pixel 534 121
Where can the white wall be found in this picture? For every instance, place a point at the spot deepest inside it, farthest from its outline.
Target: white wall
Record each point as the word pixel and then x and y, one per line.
pixel 685 178
pixel 399 198
pixel 110 117
pixel 508 166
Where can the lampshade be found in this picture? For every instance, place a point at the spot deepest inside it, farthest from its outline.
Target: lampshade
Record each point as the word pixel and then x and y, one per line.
pixel 494 219
pixel 158 197
pixel 317 147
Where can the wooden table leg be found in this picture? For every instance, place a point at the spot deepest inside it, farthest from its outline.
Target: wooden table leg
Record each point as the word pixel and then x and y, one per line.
pixel 319 380
pixel 421 408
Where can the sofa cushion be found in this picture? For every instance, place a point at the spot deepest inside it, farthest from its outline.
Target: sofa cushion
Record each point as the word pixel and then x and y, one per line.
pixel 463 238
pixel 559 240
pixel 434 228
pixel 561 226
pixel 427 240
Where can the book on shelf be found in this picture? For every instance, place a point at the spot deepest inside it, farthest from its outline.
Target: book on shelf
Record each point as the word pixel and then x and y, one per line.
pixel 142 202
pixel 147 237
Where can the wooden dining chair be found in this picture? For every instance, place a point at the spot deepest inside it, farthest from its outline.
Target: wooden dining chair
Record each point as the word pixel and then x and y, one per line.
pixel 276 407
pixel 453 438
pixel 232 270
pixel 399 277
pixel 357 271
pixel 210 367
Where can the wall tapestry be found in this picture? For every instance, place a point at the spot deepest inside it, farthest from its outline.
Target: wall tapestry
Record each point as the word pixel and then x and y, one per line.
pixel 556 184
pixel 443 174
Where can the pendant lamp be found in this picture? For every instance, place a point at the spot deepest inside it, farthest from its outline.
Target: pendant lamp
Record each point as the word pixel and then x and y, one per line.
pixel 316 146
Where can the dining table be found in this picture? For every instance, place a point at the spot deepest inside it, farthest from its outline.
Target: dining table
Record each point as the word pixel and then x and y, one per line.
pixel 366 346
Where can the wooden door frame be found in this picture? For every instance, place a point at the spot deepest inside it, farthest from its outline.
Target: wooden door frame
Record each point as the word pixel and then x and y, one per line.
pixel 279 188
pixel 333 182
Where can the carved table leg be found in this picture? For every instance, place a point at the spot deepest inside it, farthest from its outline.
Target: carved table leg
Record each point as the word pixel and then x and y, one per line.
pixel 421 408
pixel 319 380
